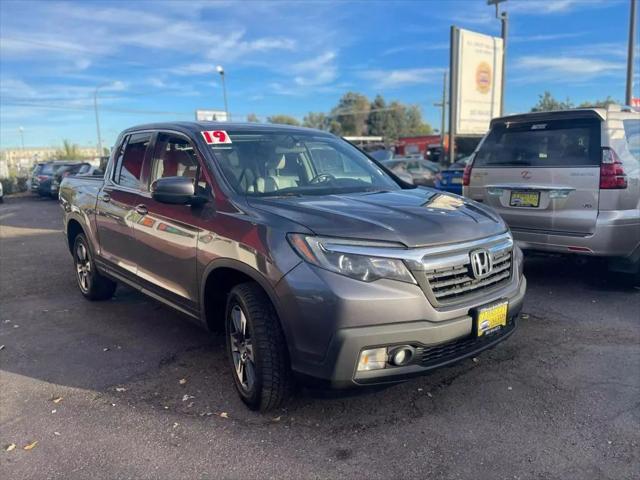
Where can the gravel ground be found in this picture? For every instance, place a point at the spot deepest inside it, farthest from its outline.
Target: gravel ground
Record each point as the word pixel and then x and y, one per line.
pixel 559 399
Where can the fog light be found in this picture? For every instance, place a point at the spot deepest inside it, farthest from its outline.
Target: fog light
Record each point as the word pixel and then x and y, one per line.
pixel 374 359
pixel 401 356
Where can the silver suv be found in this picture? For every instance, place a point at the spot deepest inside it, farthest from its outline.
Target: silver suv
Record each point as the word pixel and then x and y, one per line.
pixel 565 181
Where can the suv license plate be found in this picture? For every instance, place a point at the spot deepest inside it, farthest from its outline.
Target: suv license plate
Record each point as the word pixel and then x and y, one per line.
pixel 491 319
pixel 524 199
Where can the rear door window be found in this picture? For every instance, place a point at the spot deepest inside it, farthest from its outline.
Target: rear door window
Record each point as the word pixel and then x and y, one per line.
pixel 555 143
pixel 129 167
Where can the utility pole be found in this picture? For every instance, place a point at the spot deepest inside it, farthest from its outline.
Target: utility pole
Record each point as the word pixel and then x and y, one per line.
pixel 21 130
pixel 443 115
pixel 453 97
pixel 504 32
pixel 630 54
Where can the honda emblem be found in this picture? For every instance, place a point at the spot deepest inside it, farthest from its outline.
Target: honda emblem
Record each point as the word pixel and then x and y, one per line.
pixel 481 263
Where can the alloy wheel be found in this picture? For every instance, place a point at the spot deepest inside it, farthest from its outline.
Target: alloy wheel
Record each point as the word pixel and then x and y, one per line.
pixel 83 267
pixel 242 349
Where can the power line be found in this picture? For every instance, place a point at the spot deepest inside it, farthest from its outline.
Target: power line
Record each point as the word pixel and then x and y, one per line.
pixel 89 107
pixel 72 48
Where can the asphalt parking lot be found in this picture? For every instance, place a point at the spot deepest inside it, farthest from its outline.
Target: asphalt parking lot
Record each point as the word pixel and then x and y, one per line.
pixel 141 393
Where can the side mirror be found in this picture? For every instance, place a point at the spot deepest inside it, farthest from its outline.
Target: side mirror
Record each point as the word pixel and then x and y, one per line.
pixel 174 190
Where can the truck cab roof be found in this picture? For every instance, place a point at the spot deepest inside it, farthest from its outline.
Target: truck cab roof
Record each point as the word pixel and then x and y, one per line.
pixel 196 127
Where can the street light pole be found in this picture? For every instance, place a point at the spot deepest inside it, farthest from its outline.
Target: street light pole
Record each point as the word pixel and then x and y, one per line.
pixel 95 106
pixel 224 90
pixel 21 130
pixel 630 54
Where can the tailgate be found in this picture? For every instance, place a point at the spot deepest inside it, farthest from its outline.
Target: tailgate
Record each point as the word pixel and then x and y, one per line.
pixel 542 175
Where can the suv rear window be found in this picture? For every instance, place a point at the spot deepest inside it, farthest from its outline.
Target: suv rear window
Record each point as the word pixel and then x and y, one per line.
pixel 555 143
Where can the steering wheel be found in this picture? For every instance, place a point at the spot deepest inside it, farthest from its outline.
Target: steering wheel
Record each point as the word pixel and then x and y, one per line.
pixel 322 177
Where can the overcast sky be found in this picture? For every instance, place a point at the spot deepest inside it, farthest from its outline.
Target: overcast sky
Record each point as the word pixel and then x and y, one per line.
pixel 156 60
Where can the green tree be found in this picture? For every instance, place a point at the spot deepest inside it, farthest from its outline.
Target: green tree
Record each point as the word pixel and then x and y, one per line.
pixel 413 123
pixel 316 120
pixel 283 120
pixel 253 118
pixel 69 151
pixel 378 117
pixel 599 103
pixel 547 103
pixel 351 114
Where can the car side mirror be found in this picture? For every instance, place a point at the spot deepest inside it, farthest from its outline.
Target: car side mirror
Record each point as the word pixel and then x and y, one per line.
pixel 174 190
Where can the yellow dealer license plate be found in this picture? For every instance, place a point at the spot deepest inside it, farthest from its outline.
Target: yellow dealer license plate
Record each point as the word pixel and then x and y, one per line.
pixel 491 319
pixel 525 199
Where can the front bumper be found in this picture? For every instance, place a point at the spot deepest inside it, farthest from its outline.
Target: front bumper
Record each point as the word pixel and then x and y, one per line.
pixel 329 319
pixel 437 344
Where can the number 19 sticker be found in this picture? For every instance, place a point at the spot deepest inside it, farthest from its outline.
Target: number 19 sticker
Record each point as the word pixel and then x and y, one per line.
pixel 213 137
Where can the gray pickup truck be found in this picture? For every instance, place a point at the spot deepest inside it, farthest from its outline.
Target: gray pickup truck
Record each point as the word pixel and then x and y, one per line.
pixel 315 261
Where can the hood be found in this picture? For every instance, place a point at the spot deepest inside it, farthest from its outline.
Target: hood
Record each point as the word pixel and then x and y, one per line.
pixel 415 217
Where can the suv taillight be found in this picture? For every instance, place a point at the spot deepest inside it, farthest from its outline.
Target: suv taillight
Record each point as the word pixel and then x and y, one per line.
pixel 466 175
pixel 612 174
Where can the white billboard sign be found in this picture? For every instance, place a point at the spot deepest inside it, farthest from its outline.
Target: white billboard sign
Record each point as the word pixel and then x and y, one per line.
pixel 211 116
pixel 477 76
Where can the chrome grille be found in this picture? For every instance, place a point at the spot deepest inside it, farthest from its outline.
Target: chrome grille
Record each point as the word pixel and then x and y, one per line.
pixel 455 282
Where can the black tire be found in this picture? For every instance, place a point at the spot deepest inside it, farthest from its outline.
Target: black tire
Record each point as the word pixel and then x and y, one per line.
pixel 91 283
pixel 264 346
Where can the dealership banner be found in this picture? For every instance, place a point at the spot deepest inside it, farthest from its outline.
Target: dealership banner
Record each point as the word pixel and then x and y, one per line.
pixel 476 69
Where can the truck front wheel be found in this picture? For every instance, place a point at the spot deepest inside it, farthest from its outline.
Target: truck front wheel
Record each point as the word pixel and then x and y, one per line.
pixel 91 283
pixel 257 349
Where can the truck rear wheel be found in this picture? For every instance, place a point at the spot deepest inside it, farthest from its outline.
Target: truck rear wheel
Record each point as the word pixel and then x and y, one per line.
pixel 257 349
pixel 91 283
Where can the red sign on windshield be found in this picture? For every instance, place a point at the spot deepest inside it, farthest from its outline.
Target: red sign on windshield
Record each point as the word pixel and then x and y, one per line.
pixel 213 137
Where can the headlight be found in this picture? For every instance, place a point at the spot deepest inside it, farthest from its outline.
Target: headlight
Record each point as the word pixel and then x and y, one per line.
pixel 326 253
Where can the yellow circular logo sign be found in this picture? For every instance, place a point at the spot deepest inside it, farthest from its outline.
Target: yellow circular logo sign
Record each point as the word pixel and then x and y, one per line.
pixel 483 77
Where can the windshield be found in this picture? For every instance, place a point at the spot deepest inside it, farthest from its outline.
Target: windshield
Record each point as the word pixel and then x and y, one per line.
pixel 274 164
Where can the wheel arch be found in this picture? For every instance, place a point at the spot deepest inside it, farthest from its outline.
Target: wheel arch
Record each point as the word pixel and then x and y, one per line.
pixel 232 272
pixel 74 228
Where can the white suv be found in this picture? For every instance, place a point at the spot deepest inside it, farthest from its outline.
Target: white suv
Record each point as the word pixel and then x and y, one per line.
pixel 565 181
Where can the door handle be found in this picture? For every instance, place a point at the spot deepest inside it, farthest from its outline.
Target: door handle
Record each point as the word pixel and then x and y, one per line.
pixel 105 197
pixel 142 209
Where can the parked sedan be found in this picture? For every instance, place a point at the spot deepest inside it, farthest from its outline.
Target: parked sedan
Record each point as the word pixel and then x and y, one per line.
pixel 399 169
pixel 450 180
pixel 422 172
pixel 46 176
pixel 81 168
